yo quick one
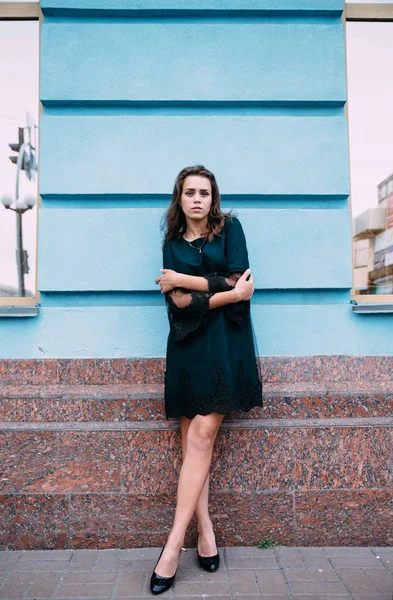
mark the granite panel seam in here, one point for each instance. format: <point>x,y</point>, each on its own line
<point>122,464</point>
<point>294,526</point>
<point>67,520</point>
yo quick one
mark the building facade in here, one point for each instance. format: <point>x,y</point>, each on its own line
<point>132,92</point>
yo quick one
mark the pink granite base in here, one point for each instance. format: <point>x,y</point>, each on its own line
<point>132,520</point>
<point>310,518</point>
<point>118,489</point>
<point>89,460</point>
<point>345,518</point>
<point>34,521</point>
<point>102,371</point>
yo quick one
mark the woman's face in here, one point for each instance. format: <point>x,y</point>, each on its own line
<point>196,197</point>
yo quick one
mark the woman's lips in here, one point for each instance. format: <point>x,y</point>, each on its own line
<point>196,208</point>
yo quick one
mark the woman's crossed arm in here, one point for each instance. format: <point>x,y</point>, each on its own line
<point>219,290</point>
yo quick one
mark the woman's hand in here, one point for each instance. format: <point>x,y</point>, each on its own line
<point>244,289</point>
<point>168,281</point>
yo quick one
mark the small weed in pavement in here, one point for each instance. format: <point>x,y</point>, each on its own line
<point>266,542</point>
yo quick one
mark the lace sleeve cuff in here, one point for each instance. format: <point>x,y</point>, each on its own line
<point>239,311</point>
<point>197,307</point>
<point>183,321</point>
<point>217,283</point>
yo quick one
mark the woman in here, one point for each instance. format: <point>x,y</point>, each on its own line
<point>211,365</point>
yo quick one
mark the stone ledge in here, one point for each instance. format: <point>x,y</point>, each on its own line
<point>145,402</point>
<point>89,461</point>
<point>173,424</point>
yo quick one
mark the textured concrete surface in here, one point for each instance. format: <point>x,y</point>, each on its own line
<point>314,573</point>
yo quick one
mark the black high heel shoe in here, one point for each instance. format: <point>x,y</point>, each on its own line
<point>159,584</point>
<point>209,563</point>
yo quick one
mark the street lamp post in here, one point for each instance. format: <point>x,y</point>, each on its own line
<point>21,254</point>
<point>24,161</point>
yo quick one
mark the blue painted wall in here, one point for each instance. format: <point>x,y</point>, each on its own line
<point>133,91</point>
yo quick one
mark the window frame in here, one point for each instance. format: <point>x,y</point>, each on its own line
<point>371,13</point>
<point>23,11</point>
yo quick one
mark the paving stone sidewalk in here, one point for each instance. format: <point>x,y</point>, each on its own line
<point>312,573</point>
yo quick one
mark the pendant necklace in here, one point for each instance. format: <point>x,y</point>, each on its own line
<point>199,249</point>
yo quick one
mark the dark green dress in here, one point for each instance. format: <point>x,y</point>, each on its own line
<point>211,362</point>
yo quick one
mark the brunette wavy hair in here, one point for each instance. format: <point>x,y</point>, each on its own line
<point>174,221</point>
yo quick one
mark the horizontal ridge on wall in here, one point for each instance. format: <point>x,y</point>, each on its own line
<point>287,249</point>
<point>155,298</point>
<point>232,62</point>
<point>180,7</point>
<point>228,201</point>
<point>258,155</point>
<point>286,108</point>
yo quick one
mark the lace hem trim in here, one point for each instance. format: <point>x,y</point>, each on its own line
<point>222,399</point>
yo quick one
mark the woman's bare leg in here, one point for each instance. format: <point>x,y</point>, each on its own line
<point>206,539</point>
<point>193,473</point>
